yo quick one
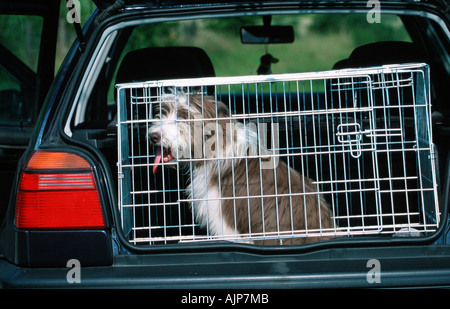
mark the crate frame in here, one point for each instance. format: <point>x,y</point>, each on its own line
<point>371,82</point>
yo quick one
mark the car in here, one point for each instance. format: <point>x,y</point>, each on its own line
<point>233,144</point>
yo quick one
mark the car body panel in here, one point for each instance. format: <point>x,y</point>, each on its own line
<point>415,266</point>
<point>38,259</point>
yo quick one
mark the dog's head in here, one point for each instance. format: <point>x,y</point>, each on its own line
<point>182,124</point>
<point>192,127</point>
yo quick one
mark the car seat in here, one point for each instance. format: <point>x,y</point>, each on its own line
<point>156,63</point>
<point>380,53</point>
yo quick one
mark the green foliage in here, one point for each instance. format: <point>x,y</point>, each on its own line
<point>320,40</point>
<point>359,29</point>
<point>21,35</point>
<point>231,26</point>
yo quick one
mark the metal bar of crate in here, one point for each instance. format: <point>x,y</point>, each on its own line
<point>344,129</point>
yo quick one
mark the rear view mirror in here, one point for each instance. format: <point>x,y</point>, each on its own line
<point>267,34</point>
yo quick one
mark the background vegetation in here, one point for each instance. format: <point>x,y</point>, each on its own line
<point>320,41</point>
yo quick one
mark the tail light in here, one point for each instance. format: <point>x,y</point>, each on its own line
<point>57,190</point>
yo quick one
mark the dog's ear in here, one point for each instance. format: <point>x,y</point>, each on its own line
<point>222,110</point>
<point>181,97</point>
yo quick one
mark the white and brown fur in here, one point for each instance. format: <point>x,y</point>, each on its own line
<point>223,190</point>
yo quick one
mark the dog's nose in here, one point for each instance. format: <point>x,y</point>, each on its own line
<point>155,137</point>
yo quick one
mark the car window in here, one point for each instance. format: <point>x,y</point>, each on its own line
<point>19,30</point>
<point>18,67</point>
<point>12,108</point>
<point>319,44</point>
<point>20,44</point>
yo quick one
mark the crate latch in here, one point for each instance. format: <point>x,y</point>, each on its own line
<point>350,134</point>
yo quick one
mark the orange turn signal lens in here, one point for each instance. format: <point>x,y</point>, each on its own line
<point>56,160</point>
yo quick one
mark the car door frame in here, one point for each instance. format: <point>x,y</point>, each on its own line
<point>15,138</point>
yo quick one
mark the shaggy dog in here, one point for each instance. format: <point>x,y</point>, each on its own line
<point>236,190</point>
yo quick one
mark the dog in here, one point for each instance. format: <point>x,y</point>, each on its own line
<point>235,190</point>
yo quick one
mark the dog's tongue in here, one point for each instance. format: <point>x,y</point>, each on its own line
<point>166,157</point>
<point>157,160</point>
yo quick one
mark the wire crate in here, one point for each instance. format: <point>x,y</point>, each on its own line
<point>359,139</point>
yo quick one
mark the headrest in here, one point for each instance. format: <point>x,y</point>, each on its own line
<point>380,53</point>
<point>156,63</point>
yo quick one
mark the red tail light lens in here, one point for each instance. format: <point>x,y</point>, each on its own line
<point>57,190</point>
